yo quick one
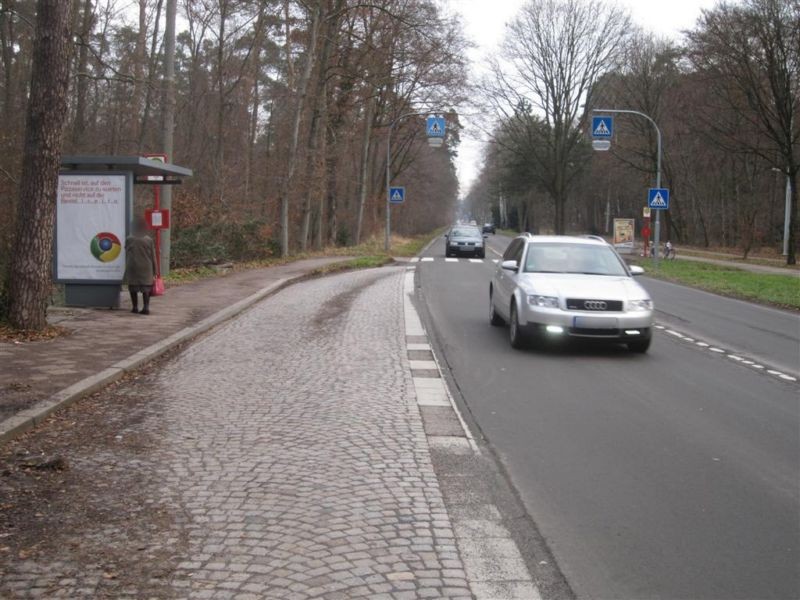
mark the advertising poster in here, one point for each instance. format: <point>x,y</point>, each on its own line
<point>624,235</point>
<point>91,218</point>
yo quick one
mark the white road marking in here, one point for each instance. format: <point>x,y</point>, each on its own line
<point>476,260</point>
<point>418,346</point>
<point>739,359</point>
<point>495,260</point>
<point>450,260</point>
<point>415,259</point>
<point>427,259</point>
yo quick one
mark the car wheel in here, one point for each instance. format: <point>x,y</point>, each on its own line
<point>482,254</point>
<point>640,346</point>
<point>495,319</point>
<point>515,335</point>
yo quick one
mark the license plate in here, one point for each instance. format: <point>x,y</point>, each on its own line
<point>595,322</point>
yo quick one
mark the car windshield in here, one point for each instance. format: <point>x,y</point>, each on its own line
<point>588,259</point>
<point>465,232</point>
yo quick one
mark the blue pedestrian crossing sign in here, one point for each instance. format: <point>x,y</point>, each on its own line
<point>658,198</point>
<point>397,195</point>
<point>602,127</point>
<point>435,127</point>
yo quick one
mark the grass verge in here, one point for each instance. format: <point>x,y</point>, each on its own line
<point>361,262</point>
<point>776,290</point>
<point>369,253</point>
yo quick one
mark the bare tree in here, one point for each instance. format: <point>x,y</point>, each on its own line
<point>30,276</point>
<point>750,54</point>
<point>553,53</point>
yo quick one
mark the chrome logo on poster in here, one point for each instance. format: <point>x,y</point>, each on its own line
<point>105,247</point>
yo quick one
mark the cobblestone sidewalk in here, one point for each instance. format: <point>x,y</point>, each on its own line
<point>100,338</point>
<point>284,453</point>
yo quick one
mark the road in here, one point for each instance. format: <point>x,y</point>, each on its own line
<point>667,475</point>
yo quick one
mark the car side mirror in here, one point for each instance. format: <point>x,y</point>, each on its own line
<point>510,265</point>
<point>636,270</point>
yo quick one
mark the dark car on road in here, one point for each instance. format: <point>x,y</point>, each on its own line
<point>464,239</point>
<point>488,228</point>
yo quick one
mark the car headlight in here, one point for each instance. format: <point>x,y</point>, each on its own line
<point>545,301</point>
<point>634,305</point>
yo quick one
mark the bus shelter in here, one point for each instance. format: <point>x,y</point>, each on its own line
<point>94,214</point>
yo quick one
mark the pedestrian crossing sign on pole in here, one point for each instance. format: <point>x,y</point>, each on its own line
<point>435,127</point>
<point>602,127</point>
<point>397,195</point>
<point>658,198</point>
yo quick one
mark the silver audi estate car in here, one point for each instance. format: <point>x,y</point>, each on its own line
<point>569,287</point>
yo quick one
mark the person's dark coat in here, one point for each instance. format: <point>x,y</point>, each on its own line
<point>140,260</point>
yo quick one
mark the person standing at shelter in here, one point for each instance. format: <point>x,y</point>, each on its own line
<point>140,266</point>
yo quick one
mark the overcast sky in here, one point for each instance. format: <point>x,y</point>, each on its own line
<point>485,20</point>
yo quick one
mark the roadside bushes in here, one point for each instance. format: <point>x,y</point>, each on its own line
<point>222,242</point>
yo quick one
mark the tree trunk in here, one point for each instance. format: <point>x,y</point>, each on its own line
<point>363,178</point>
<point>7,39</point>
<point>219,148</point>
<point>82,85</point>
<point>168,127</point>
<point>152,69</point>
<point>30,274</point>
<point>137,101</point>
<point>302,93</point>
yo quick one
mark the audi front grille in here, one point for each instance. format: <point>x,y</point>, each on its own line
<point>593,305</point>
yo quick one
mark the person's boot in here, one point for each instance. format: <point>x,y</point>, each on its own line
<point>146,309</point>
<point>134,302</point>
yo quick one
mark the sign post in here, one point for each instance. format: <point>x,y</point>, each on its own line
<point>658,164</point>
<point>435,128</point>
<point>162,158</point>
<point>646,230</point>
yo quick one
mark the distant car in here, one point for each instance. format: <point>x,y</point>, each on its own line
<point>488,228</point>
<point>464,239</point>
<point>569,287</point>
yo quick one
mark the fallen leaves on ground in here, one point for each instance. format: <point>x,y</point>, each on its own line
<point>19,336</point>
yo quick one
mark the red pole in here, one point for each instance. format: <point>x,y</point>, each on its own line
<point>157,203</point>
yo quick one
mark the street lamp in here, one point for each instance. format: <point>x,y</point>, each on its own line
<point>787,214</point>
<point>433,142</point>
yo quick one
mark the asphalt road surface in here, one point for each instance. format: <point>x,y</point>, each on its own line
<point>667,475</point>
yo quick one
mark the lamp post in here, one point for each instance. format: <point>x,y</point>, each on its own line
<point>787,212</point>
<point>657,232</point>
<point>435,142</point>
